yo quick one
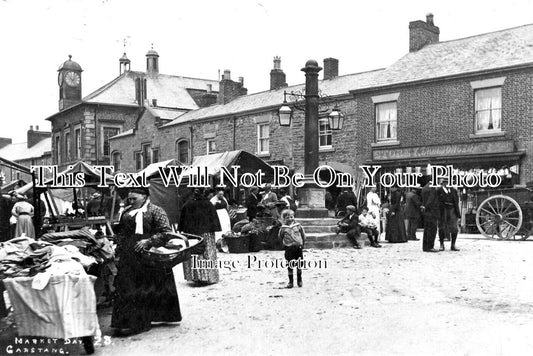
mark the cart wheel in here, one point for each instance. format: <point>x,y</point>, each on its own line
<point>88,344</point>
<point>499,217</point>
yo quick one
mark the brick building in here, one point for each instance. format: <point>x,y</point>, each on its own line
<point>82,127</point>
<point>465,102</point>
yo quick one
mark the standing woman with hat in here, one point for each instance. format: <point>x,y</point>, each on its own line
<point>142,294</point>
<point>23,211</point>
<point>199,217</point>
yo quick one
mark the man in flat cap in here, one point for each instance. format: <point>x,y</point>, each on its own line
<point>350,225</point>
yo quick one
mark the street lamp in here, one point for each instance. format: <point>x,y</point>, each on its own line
<point>335,117</point>
<point>311,196</point>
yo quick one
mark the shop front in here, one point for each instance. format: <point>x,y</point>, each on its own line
<point>469,165</point>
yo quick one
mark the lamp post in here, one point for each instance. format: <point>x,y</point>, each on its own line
<point>311,196</point>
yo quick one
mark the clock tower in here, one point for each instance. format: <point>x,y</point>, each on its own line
<point>69,80</point>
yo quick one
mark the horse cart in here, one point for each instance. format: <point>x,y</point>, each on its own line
<point>505,213</point>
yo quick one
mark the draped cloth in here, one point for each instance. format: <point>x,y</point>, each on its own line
<point>65,308</point>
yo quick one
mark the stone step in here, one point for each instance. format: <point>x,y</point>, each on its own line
<point>318,222</point>
<point>319,229</point>
<point>328,240</point>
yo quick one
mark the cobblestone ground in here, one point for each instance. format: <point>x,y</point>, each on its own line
<point>395,300</point>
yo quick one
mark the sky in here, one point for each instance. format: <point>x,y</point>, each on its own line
<point>200,38</point>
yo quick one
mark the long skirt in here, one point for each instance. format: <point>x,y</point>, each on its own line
<point>25,226</point>
<point>395,228</point>
<point>207,275</point>
<point>143,295</point>
<point>225,223</point>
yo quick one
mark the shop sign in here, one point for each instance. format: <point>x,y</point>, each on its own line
<point>477,148</point>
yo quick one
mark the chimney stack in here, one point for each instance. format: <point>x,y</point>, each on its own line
<point>34,136</point>
<point>422,33</point>
<point>228,89</point>
<point>277,77</point>
<point>331,68</point>
<point>152,62</point>
<point>4,141</point>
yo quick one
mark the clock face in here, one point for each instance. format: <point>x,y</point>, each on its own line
<point>72,79</point>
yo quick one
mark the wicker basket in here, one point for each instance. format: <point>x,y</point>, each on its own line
<point>169,260</point>
<point>238,244</point>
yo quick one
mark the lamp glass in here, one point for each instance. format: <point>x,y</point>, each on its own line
<point>336,119</point>
<point>285,115</point>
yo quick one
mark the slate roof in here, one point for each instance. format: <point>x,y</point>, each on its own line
<point>332,87</point>
<point>489,51</point>
<point>20,151</point>
<point>169,90</point>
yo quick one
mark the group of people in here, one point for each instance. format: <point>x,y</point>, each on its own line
<point>16,216</point>
<point>437,206</point>
<point>145,295</point>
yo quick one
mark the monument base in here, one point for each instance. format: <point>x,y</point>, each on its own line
<point>312,201</point>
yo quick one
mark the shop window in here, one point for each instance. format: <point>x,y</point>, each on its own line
<point>211,147</point>
<point>263,138</point>
<point>182,149</point>
<point>488,104</point>
<point>324,134</point>
<point>386,121</point>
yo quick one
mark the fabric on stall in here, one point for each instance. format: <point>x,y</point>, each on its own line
<point>65,308</point>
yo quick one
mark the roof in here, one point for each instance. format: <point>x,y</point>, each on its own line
<point>489,51</point>
<point>20,151</point>
<point>332,87</point>
<point>170,91</point>
<point>248,163</point>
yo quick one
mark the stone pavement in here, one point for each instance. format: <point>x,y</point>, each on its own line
<point>395,300</point>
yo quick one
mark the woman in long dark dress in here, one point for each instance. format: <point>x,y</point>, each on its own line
<point>142,294</point>
<point>199,217</point>
<point>395,225</point>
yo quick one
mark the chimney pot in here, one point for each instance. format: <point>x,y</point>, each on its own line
<point>31,127</point>
<point>429,19</point>
<point>277,62</point>
<point>277,76</point>
<point>241,80</point>
<point>227,75</point>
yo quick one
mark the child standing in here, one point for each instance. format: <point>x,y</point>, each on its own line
<point>293,236</point>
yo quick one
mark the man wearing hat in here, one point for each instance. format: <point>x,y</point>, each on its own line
<point>350,225</point>
<point>430,209</point>
<point>449,214</point>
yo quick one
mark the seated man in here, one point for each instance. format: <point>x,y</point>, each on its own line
<point>350,225</point>
<point>368,224</point>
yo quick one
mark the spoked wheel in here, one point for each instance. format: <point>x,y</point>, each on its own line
<point>499,217</point>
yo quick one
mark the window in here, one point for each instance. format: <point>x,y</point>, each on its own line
<point>182,148</point>
<point>77,142</point>
<point>263,138</point>
<point>146,155</point>
<point>67,147</point>
<point>488,110</point>
<point>116,161</point>
<point>386,119</point>
<point>108,132</point>
<point>57,141</point>
<point>324,134</point>
<point>155,155</point>
<point>138,161</point>
<point>211,146</point>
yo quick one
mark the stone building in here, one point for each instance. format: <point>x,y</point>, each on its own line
<point>35,151</point>
<point>83,125</point>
